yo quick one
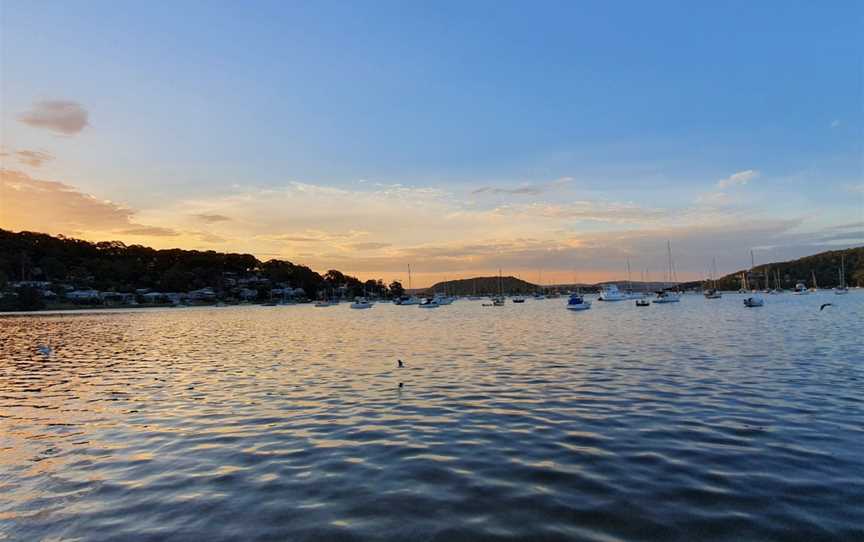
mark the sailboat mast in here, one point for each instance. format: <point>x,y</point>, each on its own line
<point>669,253</point>
<point>629,282</point>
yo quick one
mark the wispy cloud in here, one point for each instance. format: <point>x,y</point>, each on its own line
<point>738,179</point>
<point>150,231</point>
<point>59,116</point>
<point>33,158</point>
<point>524,190</point>
<point>33,204</point>
<point>211,218</point>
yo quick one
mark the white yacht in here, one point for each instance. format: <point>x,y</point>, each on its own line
<point>664,296</point>
<point>577,303</point>
<point>610,292</point>
<point>800,289</point>
<point>517,299</point>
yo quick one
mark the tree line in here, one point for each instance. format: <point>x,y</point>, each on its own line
<point>115,266</point>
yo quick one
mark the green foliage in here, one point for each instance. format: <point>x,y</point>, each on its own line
<point>396,289</point>
<point>112,265</point>
<point>825,266</point>
<point>485,286</point>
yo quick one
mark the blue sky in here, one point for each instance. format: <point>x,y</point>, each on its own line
<point>206,105</point>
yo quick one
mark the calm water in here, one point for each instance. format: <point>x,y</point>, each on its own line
<point>701,420</point>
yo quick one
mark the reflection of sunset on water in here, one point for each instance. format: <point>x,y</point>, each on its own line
<point>141,416</point>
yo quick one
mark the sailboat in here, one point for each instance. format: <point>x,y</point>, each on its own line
<point>814,287</point>
<point>664,296</point>
<point>841,286</point>
<point>755,300</point>
<point>497,301</point>
<point>408,299</point>
<point>712,292</point>
<point>539,293</point>
<point>778,287</point>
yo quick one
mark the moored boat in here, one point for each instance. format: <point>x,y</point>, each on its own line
<point>610,292</point>
<point>361,303</point>
<point>577,303</point>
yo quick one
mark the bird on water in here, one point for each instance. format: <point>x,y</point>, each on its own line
<point>400,364</point>
<point>825,305</point>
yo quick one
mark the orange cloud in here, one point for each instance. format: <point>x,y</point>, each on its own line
<point>54,207</point>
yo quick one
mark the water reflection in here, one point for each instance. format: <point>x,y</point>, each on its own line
<point>699,420</point>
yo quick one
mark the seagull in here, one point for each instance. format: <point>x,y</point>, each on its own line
<point>825,305</point>
<point>399,361</point>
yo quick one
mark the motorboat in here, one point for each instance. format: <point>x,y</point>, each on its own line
<point>324,303</point>
<point>667,297</point>
<point>801,289</point>
<point>361,303</point>
<point>643,303</point>
<point>578,303</point>
<point>517,299</point>
<point>610,292</point>
<point>407,300</point>
<point>429,303</point>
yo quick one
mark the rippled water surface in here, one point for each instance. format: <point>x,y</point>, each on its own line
<point>693,421</point>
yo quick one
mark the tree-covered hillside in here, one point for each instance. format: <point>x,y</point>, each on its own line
<point>825,266</point>
<point>114,266</point>
<point>484,286</point>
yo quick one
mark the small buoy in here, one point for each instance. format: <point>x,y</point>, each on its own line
<point>399,361</point>
<point>401,385</point>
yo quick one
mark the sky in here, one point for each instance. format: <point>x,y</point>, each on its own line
<point>557,141</point>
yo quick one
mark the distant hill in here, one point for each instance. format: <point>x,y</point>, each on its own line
<point>825,266</point>
<point>483,286</point>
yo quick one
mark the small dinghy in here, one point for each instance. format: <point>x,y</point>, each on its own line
<point>361,303</point>
<point>754,301</point>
